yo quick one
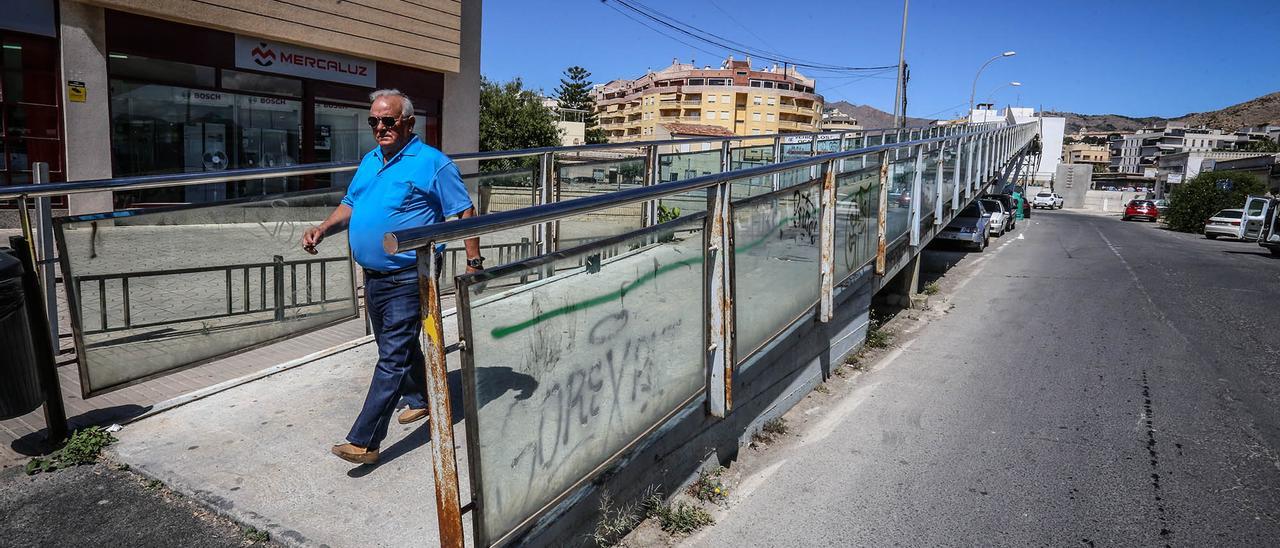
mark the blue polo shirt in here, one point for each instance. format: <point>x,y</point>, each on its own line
<point>416,187</point>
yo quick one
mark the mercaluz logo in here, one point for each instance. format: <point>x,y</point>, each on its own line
<point>262,55</point>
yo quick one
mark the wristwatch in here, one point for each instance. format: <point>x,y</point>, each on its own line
<point>477,263</point>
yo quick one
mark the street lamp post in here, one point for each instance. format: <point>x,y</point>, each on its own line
<point>973,92</point>
<point>990,96</point>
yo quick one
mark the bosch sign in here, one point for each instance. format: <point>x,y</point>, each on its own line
<point>258,54</point>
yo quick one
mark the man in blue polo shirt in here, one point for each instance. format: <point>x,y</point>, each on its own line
<point>403,183</point>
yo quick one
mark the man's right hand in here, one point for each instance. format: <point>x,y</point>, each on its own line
<point>312,238</point>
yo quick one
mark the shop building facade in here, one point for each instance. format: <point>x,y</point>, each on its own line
<point>158,87</point>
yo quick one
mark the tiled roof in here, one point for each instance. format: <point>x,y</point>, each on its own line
<point>697,129</point>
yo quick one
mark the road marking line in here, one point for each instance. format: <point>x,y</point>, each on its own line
<point>1155,311</point>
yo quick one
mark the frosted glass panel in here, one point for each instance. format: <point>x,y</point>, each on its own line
<point>775,263</point>
<point>573,357</point>
<point>857,205</point>
<point>156,290</point>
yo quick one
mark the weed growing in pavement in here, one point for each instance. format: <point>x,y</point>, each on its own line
<point>822,388</point>
<point>683,518</point>
<point>931,288</point>
<point>83,447</point>
<point>255,536</point>
<point>877,337</point>
<point>708,487</point>
<point>776,427</point>
<point>615,523</point>
<point>153,485</point>
<point>770,432</point>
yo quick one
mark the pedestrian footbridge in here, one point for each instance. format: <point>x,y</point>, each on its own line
<point>646,306</point>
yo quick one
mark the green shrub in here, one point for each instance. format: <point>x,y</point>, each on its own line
<point>1194,201</point>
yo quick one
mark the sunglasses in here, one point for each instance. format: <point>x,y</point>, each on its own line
<point>386,121</point>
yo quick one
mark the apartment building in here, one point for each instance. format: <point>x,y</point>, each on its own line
<point>835,120</point>
<point>1084,153</point>
<point>1139,152</point>
<point>113,88</point>
<point>735,96</point>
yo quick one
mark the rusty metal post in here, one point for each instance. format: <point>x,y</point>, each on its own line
<point>916,183</point>
<point>882,207</point>
<point>827,251</point>
<point>444,462</point>
<point>718,266</point>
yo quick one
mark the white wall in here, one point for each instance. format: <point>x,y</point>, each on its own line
<point>1051,134</point>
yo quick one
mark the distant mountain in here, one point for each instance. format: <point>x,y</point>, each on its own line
<point>1255,112</point>
<point>871,117</point>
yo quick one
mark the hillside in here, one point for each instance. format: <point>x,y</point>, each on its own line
<point>1255,112</point>
<point>871,117</point>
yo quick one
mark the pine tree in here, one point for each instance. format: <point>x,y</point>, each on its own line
<point>574,93</point>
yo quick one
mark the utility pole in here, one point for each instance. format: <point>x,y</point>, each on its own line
<point>900,94</point>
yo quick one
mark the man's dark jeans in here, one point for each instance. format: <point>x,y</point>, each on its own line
<point>393,307</point>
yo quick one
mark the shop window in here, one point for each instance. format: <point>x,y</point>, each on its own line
<point>168,129</point>
<point>261,83</point>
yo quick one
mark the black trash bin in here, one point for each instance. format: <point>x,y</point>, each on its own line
<point>20,391</point>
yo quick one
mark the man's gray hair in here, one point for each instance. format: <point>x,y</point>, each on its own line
<point>406,105</point>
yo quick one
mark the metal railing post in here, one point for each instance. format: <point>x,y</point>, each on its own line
<point>277,287</point>
<point>651,170</point>
<point>937,186</point>
<point>544,233</point>
<point>777,158</point>
<point>955,180</point>
<point>444,461</point>
<point>44,255</point>
<point>719,280</point>
<point>916,183</point>
<point>882,211</point>
<point>827,251</point>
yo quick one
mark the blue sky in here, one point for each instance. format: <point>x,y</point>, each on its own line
<point>1124,57</point>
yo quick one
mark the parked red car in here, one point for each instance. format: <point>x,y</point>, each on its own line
<point>1140,209</point>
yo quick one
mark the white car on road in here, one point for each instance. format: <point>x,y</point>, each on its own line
<point>1050,200</point>
<point>1224,223</point>
<point>998,216</point>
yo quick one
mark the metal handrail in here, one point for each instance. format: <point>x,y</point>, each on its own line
<point>186,179</point>
<point>414,238</point>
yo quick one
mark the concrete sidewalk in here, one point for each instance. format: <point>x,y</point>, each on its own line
<point>259,454</point>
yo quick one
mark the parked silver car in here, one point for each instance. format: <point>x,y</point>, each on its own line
<point>969,226</point>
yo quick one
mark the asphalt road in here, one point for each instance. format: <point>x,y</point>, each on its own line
<point>1097,383</point>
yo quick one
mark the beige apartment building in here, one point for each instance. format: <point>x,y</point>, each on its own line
<point>115,88</point>
<point>1083,153</point>
<point>734,97</point>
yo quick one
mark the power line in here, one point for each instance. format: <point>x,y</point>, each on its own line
<point>725,43</point>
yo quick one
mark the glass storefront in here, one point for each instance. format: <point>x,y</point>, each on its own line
<point>190,110</point>
<point>169,129</point>
<point>29,117</point>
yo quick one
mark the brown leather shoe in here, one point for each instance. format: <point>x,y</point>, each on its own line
<point>354,453</point>
<point>412,415</point>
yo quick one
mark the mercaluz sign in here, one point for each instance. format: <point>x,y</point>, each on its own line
<point>280,58</point>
